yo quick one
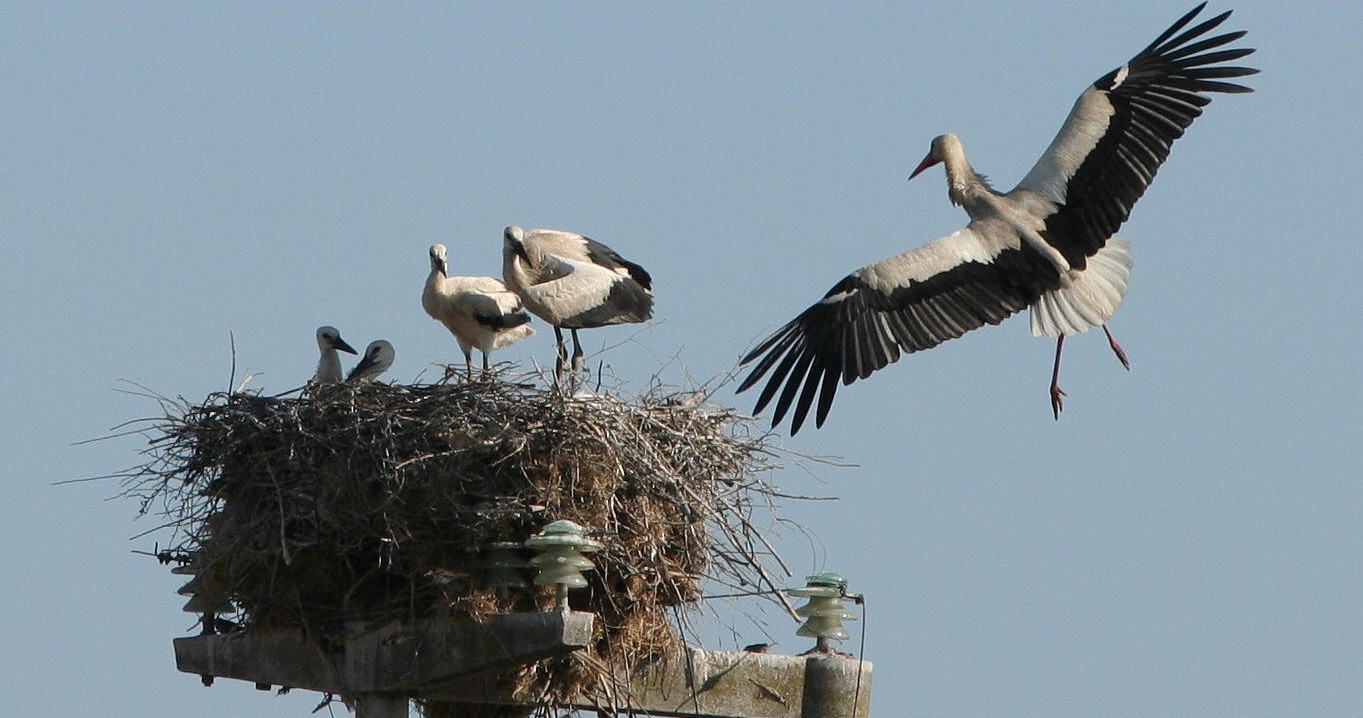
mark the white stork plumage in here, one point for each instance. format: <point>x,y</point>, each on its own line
<point>1048,244</point>
<point>329,365</point>
<point>378,357</point>
<point>479,311</point>
<point>574,282</point>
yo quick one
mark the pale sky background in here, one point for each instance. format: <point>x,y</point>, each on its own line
<point>1186,540</point>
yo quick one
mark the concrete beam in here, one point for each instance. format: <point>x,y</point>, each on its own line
<point>713,684</point>
<point>461,663</point>
<point>393,657</point>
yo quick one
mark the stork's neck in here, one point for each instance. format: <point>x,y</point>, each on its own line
<point>434,290</point>
<point>435,278</point>
<point>965,187</point>
<point>515,273</point>
<point>329,366</point>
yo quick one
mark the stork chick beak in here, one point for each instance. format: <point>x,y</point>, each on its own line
<point>926,163</point>
<point>340,344</point>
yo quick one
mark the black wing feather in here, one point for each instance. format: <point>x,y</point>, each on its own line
<point>610,259</point>
<point>1164,89</point>
<point>858,329</point>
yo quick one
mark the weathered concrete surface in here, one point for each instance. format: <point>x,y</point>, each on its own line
<point>389,658</point>
<point>717,684</point>
<point>461,662</point>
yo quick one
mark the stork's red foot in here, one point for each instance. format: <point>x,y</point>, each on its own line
<point>1117,349</point>
<point>1056,392</point>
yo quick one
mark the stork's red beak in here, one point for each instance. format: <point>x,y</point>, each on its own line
<point>926,163</point>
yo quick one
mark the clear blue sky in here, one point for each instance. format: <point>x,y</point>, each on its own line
<point>1185,541</point>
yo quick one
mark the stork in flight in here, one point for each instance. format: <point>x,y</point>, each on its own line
<point>329,365</point>
<point>479,311</point>
<point>378,357</point>
<point>1048,244</point>
<point>574,282</point>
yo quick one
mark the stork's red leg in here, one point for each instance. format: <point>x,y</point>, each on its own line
<point>1117,349</point>
<point>1056,393</point>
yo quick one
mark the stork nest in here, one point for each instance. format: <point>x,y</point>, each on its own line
<point>375,502</point>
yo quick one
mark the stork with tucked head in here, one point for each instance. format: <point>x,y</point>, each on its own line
<point>1048,245</point>
<point>378,357</point>
<point>329,365</point>
<point>574,282</point>
<point>479,311</point>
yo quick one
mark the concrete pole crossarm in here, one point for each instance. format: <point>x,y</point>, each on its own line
<point>391,658</point>
<point>718,684</point>
<point>463,662</point>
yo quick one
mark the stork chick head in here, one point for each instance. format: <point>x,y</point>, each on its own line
<point>513,239</point>
<point>378,357</point>
<point>330,338</point>
<point>439,259</point>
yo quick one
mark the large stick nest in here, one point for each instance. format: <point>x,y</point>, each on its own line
<point>375,502</point>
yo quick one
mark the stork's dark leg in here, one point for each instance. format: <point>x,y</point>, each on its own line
<point>577,354</point>
<point>1056,393</point>
<point>468,364</point>
<point>1117,349</point>
<point>486,374</point>
<point>562,356</point>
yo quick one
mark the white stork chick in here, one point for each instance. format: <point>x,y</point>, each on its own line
<point>378,357</point>
<point>479,311</point>
<point>329,365</point>
<point>1048,244</point>
<point>574,282</point>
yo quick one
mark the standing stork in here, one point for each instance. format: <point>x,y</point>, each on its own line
<point>1048,244</point>
<point>574,282</point>
<point>329,365</point>
<point>378,357</point>
<point>479,311</point>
